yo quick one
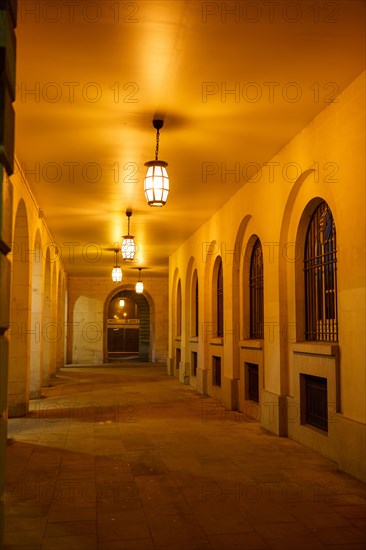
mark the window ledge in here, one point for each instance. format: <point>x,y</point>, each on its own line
<point>193,339</point>
<point>316,348</point>
<point>314,429</point>
<point>251,344</point>
<point>216,341</point>
<point>177,338</point>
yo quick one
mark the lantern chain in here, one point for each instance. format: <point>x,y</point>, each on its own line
<point>157,143</point>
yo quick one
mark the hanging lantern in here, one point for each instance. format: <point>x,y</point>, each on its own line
<point>128,247</point>
<point>139,288</point>
<point>116,271</point>
<point>156,184</point>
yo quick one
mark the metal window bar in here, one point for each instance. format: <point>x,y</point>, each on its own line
<point>177,357</point>
<point>256,292</point>
<point>253,382</point>
<point>321,277</point>
<point>179,310</point>
<point>220,301</point>
<point>216,371</point>
<point>196,318</point>
<point>194,360</point>
<point>316,402</point>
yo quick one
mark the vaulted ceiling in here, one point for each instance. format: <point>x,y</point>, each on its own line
<point>233,81</point>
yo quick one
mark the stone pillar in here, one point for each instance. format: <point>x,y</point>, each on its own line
<point>8,11</point>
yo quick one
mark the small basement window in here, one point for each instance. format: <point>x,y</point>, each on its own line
<point>315,401</point>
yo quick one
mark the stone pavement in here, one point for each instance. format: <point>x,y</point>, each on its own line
<point>127,458</point>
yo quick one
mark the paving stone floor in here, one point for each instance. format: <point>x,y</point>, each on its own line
<point>127,458</point>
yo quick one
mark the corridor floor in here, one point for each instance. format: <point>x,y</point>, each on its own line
<point>127,458</point>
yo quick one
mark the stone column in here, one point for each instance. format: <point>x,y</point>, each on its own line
<point>8,12</point>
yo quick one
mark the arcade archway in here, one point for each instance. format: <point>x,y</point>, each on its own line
<point>127,327</point>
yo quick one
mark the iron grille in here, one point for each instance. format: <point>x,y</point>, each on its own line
<point>177,357</point>
<point>216,371</point>
<point>220,301</point>
<point>320,265</point>
<point>253,382</point>
<point>194,361</point>
<point>179,309</point>
<point>316,402</point>
<point>256,292</point>
<point>196,319</point>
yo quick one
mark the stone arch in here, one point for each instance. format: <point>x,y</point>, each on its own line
<point>194,304</point>
<point>187,297</point>
<point>179,345</point>
<point>217,318</point>
<point>46,321</point>
<point>19,337</point>
<point>178,311</point>
<point>173,313</point>
<point>211,253</point>
<point>146,312</point>
<point>35,373</point>
<point>290,273</point>
<point>60,319</point>
<point>55,331</point>
<point>237,292</point>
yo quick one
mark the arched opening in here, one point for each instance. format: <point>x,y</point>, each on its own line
<point>60,324</point>
<point>35,377</point>
<point>316,279</point>
<point>321,320</point>
<point>18,385</point>
<point>178,311</point>
<point>54,331</point>
<point>127,327</point>
<point>218,298</point>
<point>252,347</point>
<point>46,322</point>
<point>194,299</point>
<point>253,290</point>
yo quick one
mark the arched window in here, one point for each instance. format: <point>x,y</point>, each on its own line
<point>320,263</point>
<point>194,302</point>
<point>256,292</point>
<point>179,310</point>
<point>220,299</point>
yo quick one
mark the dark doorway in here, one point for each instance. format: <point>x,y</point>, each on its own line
<point>123,339</point>
<point>128,327</point>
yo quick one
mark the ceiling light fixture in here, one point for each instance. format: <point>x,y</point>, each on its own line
<point>156,184</point>
<point>139,288</point>
<point>128,243</point>
<point>116,271</point>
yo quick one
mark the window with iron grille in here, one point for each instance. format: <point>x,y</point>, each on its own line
<point>194,362</point>
<point>316,402</point>
<point>320,263</point>
<point>216,371</point>
<point>253,382</point>
<point>179,309</point>
<point>177,357</point>
<point>256,292</point>
<point>220,300</point>
<point>196,308</point>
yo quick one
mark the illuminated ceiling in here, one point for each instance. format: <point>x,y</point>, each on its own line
<point>232,87</point>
